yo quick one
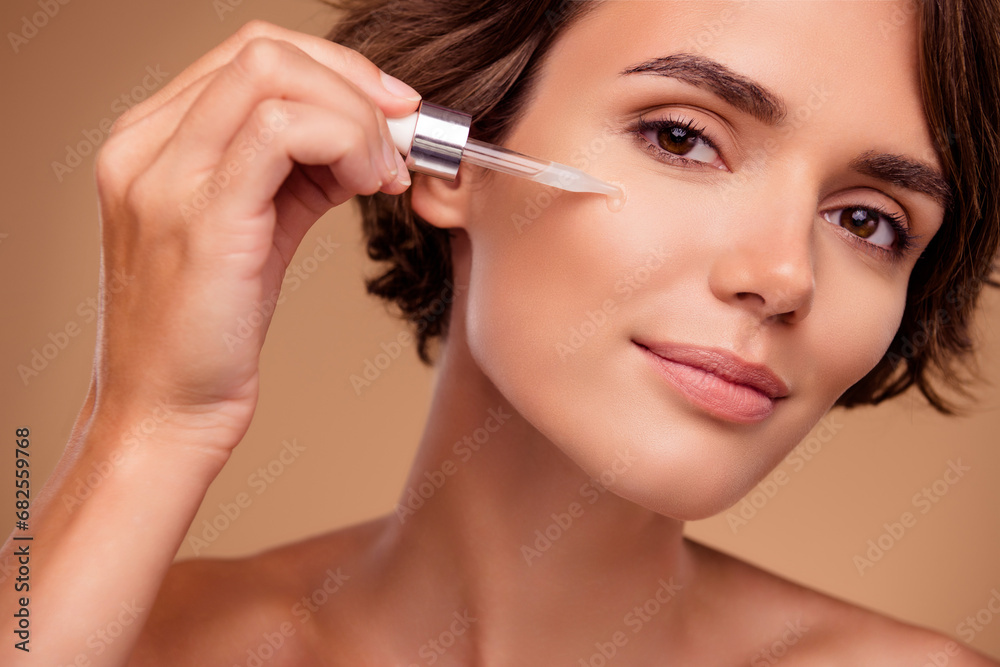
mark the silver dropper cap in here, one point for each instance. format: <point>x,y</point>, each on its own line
<point>439,138</point>
<point>435,140</point>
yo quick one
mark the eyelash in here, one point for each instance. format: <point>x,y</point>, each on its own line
<point>904,240</point>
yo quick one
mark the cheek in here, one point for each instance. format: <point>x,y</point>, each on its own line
<point>855,324</point>
<point>555,273</point>
<point>542,259</point>
<point>559,284</point>
<point>547,320</point>
<point>550,312</point>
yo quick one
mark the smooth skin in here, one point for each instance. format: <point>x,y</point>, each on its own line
<point>752,266</point>
<point>298,126</point>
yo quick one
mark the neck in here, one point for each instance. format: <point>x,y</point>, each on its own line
<point>495,523</point>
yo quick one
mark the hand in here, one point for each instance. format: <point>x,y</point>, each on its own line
<point>206,190</point>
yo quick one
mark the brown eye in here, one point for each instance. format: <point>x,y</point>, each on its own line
<point>680,142</point>
<point>677,140</point>
<point>871,224</point>
<point>859,221</point>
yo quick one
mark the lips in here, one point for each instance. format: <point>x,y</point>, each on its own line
<point>722,364</point>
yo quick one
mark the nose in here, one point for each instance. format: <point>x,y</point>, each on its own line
<point>767,265</point>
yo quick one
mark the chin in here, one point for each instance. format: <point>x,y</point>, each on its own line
<point>669,459</point>
<point>606,400</point>
<point>688,490</point>
<point>678,474</point>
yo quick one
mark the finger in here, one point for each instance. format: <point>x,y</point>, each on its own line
<point>278,134</point>
<point>265,69</point>
<point>334,56</point>
<point>305,195</point>
<point>141,140</point>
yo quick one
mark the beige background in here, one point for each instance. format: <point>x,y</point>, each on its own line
<point>64,82</point>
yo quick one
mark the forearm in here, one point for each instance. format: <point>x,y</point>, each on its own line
<point>104,531</point>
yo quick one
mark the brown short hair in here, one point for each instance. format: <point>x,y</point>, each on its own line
<point>486,57</point>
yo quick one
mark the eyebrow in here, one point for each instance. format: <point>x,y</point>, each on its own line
<point>767,107</point>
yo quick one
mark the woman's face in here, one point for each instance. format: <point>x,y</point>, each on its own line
<point>771,243</point>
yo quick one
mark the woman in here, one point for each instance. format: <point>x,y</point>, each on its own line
<point>633,368</point>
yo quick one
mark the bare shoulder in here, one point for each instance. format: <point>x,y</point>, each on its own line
<point>216,611</point>
<point>778,619</point>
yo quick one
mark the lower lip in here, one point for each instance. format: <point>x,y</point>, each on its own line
<point>721,398</point>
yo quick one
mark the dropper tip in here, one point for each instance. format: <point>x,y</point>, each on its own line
<point>616,198</point>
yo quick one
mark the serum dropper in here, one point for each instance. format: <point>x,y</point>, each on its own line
<point>435,140</point>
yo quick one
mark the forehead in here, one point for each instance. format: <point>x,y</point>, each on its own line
<point>860,56</point>
<point>820,38</point>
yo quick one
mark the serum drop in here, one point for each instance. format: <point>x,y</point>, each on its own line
<point>617,202</point>
<point>435,140</point>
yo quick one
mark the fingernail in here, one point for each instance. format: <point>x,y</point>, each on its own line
<point>404,173</point>
<point>389,158</point>
<point>398,88</point>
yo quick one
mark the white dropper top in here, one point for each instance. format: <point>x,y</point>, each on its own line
<point>486,155</point>
<point>402,131</point>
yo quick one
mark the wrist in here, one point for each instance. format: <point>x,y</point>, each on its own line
<point>156,430</point>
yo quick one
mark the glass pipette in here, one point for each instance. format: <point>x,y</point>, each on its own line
<point>435,140</point>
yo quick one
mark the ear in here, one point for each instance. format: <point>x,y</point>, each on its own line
<point>442,203</point>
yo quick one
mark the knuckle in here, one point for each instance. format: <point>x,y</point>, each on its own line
<point>351,60</point>
<point>121,122</point>
<point>110,167</point>
<point>253,29</point>
<point>341,57</point>
<point>142,197</point>
<point>354,66</point>
<point>361,105</point>
<point>271,113</point>
<point>354,137</point>
<point>134,199</point>
<point>259,58</point>
<point>375,115</point>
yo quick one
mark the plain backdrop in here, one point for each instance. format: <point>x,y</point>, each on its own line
<point>857,472</point>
